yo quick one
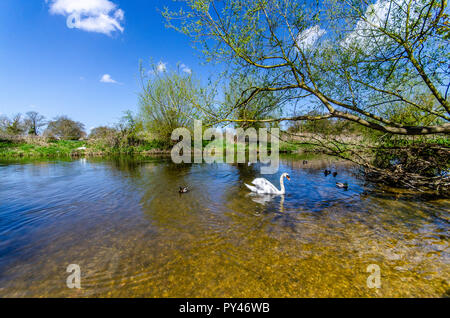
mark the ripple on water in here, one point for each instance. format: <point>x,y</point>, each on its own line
<point>124,222</point>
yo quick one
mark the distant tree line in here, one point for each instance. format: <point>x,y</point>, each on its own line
<point>33,124</point>
<point>128,133</point>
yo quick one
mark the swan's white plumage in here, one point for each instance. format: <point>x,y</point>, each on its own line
<point>262,185</point>
<point>252,188</point>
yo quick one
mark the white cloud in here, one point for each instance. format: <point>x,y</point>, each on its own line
<point>383,13</point>
<point>185,69</point>
<point>101,16</point>
<point>308,38</point>
<point>376,14</point>
<point>161,67</point>
<point>106,78</point>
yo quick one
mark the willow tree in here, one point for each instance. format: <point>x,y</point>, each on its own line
<point>265,105</point>
<point>353,60</point>
<point>167,101</point>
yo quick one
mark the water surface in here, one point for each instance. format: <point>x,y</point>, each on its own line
<point>133,235</point>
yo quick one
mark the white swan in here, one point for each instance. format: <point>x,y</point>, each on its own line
<point>264,186</point>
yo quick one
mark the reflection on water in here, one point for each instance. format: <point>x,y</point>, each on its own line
<point>124,222</point>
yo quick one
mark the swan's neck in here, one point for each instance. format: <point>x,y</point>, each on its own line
<point>282,191</point>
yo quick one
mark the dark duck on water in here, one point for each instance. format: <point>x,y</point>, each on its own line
<point>183,190</point>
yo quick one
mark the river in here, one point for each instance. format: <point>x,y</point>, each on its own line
<point>123,222</point>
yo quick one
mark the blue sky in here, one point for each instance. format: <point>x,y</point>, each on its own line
<point>55,67</point>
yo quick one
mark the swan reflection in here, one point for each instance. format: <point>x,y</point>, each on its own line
<point>263,199</point>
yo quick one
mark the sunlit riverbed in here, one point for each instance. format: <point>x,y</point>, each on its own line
<point>133,235</point>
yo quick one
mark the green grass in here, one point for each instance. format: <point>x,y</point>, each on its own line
<point>50,149</point>
<point>67,148</point>
<point>292,147</point>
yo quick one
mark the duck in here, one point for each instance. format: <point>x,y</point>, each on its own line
<point>326,172</point>
<point>342,185</point>
<point>335,174</point>
<point>183,190</point>
<point>262,185</point>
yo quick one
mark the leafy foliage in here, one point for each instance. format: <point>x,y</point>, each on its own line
<point>167,101</point>
<point>13,126</point>
<point>347,59</point>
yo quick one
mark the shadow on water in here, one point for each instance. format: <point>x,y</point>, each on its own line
<point>133,234</point>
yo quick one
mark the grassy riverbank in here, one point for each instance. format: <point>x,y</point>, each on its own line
<point>10,149</point>
<point>43,148</point>
<point>61,148</point>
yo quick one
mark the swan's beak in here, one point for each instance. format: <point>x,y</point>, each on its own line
<point>289,178</point>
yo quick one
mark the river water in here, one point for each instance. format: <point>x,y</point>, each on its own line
<point>132,234</point>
